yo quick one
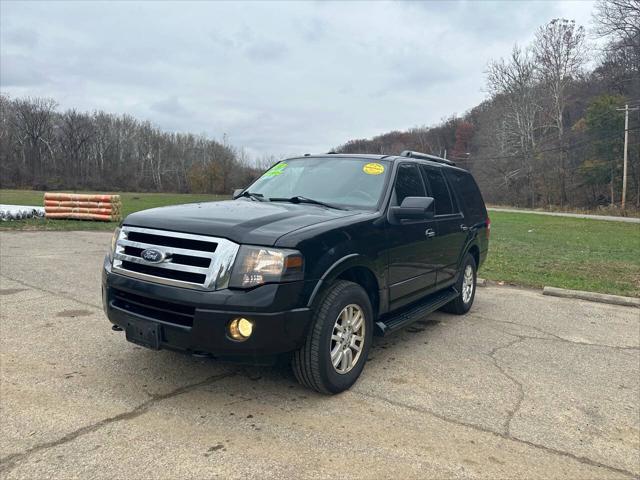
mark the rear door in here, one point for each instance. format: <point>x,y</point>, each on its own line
<point>470,199</point>
<point>412,261</point>
<point>451,230</point>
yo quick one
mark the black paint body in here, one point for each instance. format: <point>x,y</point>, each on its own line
<point>394,260</point>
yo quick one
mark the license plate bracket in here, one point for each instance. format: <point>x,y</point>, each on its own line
<point>143,333</point>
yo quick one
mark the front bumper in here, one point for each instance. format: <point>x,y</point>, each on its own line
<point>196,321</point>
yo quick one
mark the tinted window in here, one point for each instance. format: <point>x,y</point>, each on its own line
<point>469,193</point>
<point>408,182</point>
<point>438,189</point>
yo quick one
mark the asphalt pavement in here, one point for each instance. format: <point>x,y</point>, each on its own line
<point>524,386</point>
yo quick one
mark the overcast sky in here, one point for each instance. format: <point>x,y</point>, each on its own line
<point>276,77</point>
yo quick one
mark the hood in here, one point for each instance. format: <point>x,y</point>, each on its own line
<point>241,221</point>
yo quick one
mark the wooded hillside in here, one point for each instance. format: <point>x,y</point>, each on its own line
<point>551,132</point>
<point>42,148</point>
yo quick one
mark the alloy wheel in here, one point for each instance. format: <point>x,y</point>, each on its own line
<point>347,338</point>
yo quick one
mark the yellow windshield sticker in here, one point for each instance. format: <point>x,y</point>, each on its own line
<point>275,170</point>
<point>373,169</point>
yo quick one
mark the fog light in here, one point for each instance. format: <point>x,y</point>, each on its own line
<point>240,329</point>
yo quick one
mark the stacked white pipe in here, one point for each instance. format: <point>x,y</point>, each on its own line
<point>19,212</point>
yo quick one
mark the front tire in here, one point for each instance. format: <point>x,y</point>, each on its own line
<point>466,285</point>
<point>337,345</point>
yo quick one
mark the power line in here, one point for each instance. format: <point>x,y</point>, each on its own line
<point>575,146</point>
<point>549,136</point>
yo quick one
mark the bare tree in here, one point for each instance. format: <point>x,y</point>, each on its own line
<point>514,80</point>
<point>619,22</point>
<point>104,140</point>
<point>76,132</point>
<point>9,169</point>
<point>421,136</point>
<point>559,49</point>
<point>33,120</point>
<point>619,19</point>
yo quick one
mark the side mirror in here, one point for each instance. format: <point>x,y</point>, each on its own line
<point>414,208</point>
<point>237,192</point>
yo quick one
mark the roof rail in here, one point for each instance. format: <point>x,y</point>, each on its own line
<point>425,156</point>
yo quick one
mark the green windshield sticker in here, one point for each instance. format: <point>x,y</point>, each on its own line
<point>275,170</point>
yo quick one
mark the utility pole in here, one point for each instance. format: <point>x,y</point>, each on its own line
<point>626,153</point>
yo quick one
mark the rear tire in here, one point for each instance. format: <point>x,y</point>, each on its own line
<point>466,285</point>
<point>337,345</point>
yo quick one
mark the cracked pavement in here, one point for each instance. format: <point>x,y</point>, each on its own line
<point>524,386</point>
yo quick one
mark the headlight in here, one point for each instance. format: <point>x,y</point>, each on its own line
<point>114,241</point>
<point>258,265</point>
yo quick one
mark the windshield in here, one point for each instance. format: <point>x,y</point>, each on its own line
<point>350,182</point>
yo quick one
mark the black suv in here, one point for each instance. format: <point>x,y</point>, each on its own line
<point>311,260</point>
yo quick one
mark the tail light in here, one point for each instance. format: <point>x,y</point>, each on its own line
<point>488,225</point>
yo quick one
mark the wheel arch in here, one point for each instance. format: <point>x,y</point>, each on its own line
<point>364,277</point>
<point>472,249</point>
<point>353,268</point>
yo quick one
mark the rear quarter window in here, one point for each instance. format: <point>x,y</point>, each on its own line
<point>468,193</point>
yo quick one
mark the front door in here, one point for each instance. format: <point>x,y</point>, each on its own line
<point>412,263</point>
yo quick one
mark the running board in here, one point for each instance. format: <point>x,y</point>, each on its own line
<point>415,312</point>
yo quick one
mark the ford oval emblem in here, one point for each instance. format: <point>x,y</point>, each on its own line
<point>152,255</point>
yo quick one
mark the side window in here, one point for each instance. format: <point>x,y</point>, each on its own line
<point>438,189</point>
<point>469,194</point>
<point>408,183</point>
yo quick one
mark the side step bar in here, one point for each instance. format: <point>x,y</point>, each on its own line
<point>417,311</point>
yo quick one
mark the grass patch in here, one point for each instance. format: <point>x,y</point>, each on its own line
<point>580,254</point>
<point>131,202</point>
<point>525,249</point>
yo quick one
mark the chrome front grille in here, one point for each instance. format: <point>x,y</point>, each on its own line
<point>186,260</point>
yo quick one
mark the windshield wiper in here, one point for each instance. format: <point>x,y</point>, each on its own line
<point>253,196</point>
<point>300,199</point>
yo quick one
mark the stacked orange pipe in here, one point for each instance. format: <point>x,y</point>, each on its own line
<point>75,206</point>
<point>58,203</point>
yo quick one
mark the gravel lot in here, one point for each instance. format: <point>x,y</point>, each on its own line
<point>525,386</point>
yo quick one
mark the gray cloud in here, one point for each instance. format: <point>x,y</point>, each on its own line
<point>312,30</point>
<point>22,36</point>
<point>492,20</point>
<point>20,71</point>
<point>170,106</point>
<point>276,77</point>
<point>266,51</point>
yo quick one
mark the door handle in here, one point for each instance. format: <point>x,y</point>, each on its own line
<point>463,227</point>
<point>430,232</point>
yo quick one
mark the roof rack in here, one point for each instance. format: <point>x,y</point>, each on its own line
<point>425,156</point>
